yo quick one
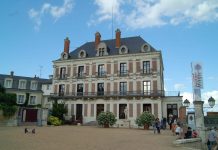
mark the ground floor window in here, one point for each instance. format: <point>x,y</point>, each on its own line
<point>147,107</point>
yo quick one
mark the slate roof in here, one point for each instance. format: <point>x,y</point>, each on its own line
<point>133,44</point>
<point>16,79</point>
<point>42,80</point>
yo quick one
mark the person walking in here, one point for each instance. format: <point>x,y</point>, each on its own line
<point>157,124</point>
<point>211,139</point>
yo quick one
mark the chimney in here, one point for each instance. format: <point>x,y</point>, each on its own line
<point>118,34</point>
<point>12,73</point>
<point>66,45</point>
<point>97,39</point>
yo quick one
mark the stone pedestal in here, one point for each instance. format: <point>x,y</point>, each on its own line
<point>199,120</point>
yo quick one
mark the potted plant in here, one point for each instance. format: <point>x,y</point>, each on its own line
<point>145,119</point>
<point>106,119</point>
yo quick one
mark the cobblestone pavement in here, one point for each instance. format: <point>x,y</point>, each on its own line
<point>84,138</point>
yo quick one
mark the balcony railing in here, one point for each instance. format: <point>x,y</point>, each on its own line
<point>155,93</point>
<point>62,76</point>
<point>101,74</point>
<point>123,73</point>
<point>80,75</point>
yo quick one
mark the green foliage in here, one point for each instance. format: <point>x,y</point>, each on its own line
<point>8,110</point>
<point>58,110</point>
<point>106,118</point>
<point>26,100</point>
<point>54,121</point>
<point>7,103</point>
<point>8,98</point>
<point>145,118</point>
<point>2,89</point>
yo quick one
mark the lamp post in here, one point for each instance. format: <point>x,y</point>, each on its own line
<point>199,115</point>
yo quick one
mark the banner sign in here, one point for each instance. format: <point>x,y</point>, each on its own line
<point>197,79</point>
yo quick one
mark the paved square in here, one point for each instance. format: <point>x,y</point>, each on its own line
<point>84,138</point>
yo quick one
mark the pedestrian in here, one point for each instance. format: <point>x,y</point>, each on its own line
<point>157,124</point>
<point>154,127</point>
<point>178,130</point>
<point>211,139</point>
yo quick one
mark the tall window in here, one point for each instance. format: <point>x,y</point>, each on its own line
<point>123,88</point>
<point>100,88</point>
<point>63,73</point>
<point>22,84</point>
<point>147,87</point>
<point>8,83</point>
<point>123,69</point>
<point>80,89</point>
<point>33,85</point>
<point>32,100</point>
<point>101,70</point>
<point>20,99</point>
<point>146,67</point>
<point>81,71</point>
<point>61,89</point>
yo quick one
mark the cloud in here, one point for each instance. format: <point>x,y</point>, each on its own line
<point>47,9</point>
<point>150,13</point>
<point>204,96</point>
<point>179,86</point>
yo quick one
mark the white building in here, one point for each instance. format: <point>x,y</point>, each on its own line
<point>109,75</point>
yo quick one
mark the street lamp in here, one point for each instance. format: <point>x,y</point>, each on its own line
<point>211,102</point>
<point>186,103</point>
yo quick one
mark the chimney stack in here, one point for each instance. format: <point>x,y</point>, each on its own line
<point>97,39</point>
<point>66,45</point>
<point>118,34</point>
<point>12,73</point>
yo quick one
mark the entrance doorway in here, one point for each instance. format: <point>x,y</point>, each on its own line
<point>79,112</point>
<point>31,115</point>
<point>100,108</point>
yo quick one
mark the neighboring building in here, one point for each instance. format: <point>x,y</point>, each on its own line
<point>111,75</point>
<point>27,88</point>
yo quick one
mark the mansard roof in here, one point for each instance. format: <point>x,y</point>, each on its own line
<point>133,44</point>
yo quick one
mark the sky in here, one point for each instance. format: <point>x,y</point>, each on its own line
<point>32,35</point>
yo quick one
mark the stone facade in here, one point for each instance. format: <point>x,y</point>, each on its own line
<point>110,75</point>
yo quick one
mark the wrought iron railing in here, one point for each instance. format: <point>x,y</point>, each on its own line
<point>155,93</point>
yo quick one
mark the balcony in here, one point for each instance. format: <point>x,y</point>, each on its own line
<point>123,73</point>
<point>62,76</point>
<point>146,72</point>
<point>101,74</point>
<point>112,94</point>
<point>80,75</point>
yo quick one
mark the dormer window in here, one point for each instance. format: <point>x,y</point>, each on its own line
<point>64,55</point>
<point>123,49</point>
<point>82,54</point>
<point>8,83</point>
<point>22,84</point>
<point>102,50</point>
<point>33,85</point>
<point>145,48</point>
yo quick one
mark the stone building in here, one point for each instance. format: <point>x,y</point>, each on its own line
<point>33,90</point>
<point>118,75</point>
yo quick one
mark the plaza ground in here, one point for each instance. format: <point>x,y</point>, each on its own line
<point>85,138</point>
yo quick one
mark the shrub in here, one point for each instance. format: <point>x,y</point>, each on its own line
<point>58,110</point>
<point>106,118</point>
<point>145,118</point>
<point>54,121</point>
<point>8,110</point>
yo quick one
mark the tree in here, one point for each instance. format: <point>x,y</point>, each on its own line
<point>58,110</point>
<point>7,102</point>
